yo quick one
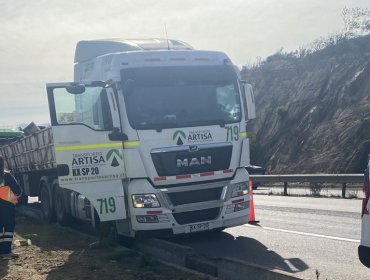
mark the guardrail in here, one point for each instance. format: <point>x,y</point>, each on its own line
<point>343,179</point>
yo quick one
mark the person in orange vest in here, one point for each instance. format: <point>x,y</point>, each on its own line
<point>9,193</point>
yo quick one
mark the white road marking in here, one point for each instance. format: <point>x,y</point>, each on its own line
<point>305,233</point>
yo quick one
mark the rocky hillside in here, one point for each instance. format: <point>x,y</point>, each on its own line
<point>313,111</point>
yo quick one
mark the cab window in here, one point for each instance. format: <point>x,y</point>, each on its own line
<point>90,108</point>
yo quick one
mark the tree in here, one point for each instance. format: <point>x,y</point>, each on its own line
<point>356,22</point>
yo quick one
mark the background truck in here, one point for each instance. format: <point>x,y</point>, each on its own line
<point>159,147</point>
<point>8,134</point>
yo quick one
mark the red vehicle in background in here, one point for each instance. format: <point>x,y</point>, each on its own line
<point>364,248</point>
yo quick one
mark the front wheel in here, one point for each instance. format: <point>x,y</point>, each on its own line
<point>126,241</point>
<point>108,232</point>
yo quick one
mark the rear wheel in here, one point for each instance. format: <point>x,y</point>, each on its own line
<point>63,218</point>
<point>48,214</point>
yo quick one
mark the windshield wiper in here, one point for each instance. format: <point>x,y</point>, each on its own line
<point>219,122</point>
<point>158,126</point>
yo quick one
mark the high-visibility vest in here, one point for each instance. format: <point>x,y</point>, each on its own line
<point>7,194</point>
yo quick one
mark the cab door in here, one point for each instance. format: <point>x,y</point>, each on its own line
<point>88,144</point>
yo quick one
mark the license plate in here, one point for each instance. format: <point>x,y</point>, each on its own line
<point>198,227</point>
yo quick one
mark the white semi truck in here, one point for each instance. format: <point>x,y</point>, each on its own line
<point>151,135</point>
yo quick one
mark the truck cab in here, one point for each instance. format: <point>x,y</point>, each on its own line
<point>161,144</point>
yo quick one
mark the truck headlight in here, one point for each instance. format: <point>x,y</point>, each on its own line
<point>240,189</point>
<point>145,201</point>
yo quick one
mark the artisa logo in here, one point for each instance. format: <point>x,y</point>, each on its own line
<point>114,154</point>
<point>194,136</point>
<point>179,135</point>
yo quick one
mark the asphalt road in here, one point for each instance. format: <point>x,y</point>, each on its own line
<point>295,234</point>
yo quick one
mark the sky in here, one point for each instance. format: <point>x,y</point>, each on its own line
<point>38,37</point>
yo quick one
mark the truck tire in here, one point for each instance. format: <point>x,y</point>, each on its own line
<point>63,218</point>
<point>123,240</point>
<point>48,214</point>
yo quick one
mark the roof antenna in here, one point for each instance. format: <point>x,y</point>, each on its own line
<point>168,42</point>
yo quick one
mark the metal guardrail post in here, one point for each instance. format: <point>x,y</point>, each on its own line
<point>344,186</point>
<point>285,188</point>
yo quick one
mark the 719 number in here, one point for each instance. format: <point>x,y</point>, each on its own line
<point>232,133</point>
<point>107,205</point>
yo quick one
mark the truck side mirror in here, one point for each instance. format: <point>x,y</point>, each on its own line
<point>75,88</point>
<point>117,135</point>
<point>249,98</point>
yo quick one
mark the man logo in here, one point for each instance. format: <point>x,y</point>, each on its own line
<point>194,161</point>
<point>179,134</point>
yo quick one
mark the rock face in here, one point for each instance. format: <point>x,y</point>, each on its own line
<point>313,112</point>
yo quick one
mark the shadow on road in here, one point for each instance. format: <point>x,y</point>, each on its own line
<point>223,244</point>
<point>216,244</point>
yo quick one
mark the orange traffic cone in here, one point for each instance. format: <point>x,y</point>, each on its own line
<point>252,217</point>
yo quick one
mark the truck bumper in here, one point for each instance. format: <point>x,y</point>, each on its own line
<point>218,207</point>
<point>171,226</point>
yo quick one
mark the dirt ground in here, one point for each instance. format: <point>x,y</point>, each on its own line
<point>59,253</point>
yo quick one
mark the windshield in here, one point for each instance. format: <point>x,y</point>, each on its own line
<point>167,97</point>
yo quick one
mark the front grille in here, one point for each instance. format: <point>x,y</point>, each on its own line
<point>179,198</point>
<point>197,216</point>
<point>181,160</point>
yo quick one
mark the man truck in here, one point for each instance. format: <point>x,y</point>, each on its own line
<point>151,135</point>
